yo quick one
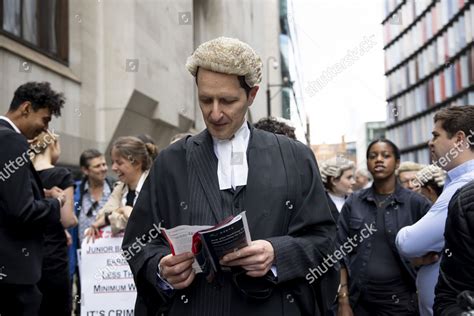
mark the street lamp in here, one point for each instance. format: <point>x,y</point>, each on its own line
<point>287,83</point>
<point>275,66</point>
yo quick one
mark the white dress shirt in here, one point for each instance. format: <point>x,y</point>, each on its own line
<point>232,167</point>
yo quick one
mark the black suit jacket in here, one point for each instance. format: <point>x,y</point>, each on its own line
<point>299,225</point>
<point>24,212</point>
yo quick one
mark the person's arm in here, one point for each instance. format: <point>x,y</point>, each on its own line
<point>19,206</point>
<point>113,203</point>
<point>426,235</point>
<point>311,230</point>
<point>344,307</point>
<point>455,272</point>
<point>92,233</point>
<point>343,242</point>
<point>118,219</point>
<point>68,218</point>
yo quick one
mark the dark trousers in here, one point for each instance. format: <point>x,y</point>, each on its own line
<point>19,300</point>
<point>56,292</point>
<point>386,303</point>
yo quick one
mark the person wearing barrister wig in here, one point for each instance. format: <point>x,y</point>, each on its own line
<point>452,150</point>
<point>337,175</point>
<point>431,181</point>
<point>131,161</point>
<point>226,169</point>
<point>375,280</point>
<point>26,208</point>
<point>406,174</point>
<point>54,283</point>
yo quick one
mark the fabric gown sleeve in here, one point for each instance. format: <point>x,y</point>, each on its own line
<point>143,245</point>
<point>311,229</point>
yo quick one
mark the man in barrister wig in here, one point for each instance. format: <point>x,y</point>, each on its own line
<point>228,168</point>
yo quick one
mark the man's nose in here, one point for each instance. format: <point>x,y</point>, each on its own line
<point>216,113</point>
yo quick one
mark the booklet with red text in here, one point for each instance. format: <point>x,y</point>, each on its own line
<point>209,243</point>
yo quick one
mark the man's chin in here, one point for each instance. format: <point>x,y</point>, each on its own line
<point>219,135</point>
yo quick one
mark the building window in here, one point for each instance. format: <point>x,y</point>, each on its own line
<point>39,24</point>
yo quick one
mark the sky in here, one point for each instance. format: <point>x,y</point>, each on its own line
<point>328,31</point>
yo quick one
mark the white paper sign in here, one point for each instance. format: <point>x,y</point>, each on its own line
<point>107,284</point>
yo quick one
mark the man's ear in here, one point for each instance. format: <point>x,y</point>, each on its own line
<point>85,171</point>
<point>25,108</point>
<point>252,94</point>
<point>460,137</point>
<point>431,190</point>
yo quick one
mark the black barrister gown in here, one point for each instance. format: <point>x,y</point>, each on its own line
<point>285,204</point>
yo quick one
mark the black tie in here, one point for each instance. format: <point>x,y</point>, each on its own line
<point>130,197</point>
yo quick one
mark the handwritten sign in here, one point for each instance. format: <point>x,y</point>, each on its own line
<point>106,280</point>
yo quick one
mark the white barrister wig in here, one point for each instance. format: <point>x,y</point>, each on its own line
<point>334,167</point>
<point>229,56</point>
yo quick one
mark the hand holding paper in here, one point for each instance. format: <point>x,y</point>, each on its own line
<point>177,269</point>
<point>257,258</point>
<point>210,243</point>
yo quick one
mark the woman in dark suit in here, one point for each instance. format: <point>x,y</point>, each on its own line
<point>54,283</point>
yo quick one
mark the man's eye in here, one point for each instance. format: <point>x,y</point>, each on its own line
<point>206,101</point>
<point>227,101</point>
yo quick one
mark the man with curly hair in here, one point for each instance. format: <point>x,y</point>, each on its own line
<point>228,168</point>
<point>274,125</point>
<point>25,208</point>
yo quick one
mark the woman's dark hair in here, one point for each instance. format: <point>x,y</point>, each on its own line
<point>40,95</point>
<point>396,151</point>
<point>88,155</point>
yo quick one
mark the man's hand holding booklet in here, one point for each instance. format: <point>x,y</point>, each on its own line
<point>210,244</point>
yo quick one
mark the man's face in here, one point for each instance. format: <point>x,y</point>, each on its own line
<point>97,169</point>
<point>223,102</point>
<point>35,122</point>
<point>361,181</point>
<point>440,145</point>
<point>407,180</point>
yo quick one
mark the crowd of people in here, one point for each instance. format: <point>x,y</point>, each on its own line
<point>401,232</point>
